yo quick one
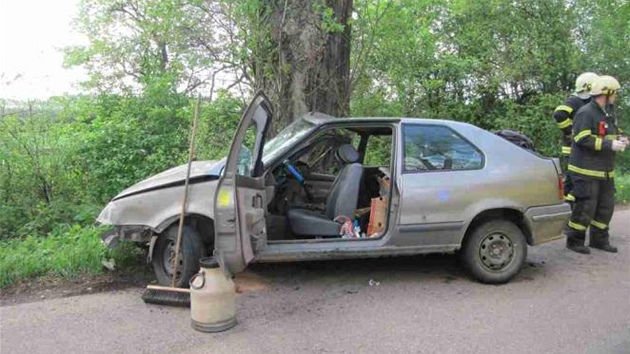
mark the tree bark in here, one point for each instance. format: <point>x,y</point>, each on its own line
<point>310,64</point>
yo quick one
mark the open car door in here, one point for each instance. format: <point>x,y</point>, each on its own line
<point>240,201</point>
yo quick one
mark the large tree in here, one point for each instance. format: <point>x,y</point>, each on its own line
<point>298,52</point>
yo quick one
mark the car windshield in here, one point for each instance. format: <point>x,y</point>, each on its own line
<point>285,139</point>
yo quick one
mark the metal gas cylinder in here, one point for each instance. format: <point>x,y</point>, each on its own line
<point>212,298</point>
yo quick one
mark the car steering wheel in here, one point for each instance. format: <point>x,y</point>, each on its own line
<point>298,176</point>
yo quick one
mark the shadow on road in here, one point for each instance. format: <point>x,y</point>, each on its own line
<point>427,269</point>
<point>437,268</point>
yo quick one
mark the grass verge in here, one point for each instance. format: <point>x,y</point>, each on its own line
<point>622,185</point>
<point>67,253</point>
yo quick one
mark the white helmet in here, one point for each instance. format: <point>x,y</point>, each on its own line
<point>605,85</point>
<point>583,84</point>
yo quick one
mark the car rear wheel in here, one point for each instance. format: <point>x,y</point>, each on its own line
<point>163,259</point>
<point>495,251</point>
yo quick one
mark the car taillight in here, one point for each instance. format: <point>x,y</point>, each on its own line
<point>560,187</point>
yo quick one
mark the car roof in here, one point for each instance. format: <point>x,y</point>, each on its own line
<point>321,118</point>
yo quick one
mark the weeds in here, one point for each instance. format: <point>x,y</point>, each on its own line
<point>65,253</point>
<point>622,186</point>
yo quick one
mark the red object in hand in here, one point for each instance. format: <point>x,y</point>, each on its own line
<point>602,128</point>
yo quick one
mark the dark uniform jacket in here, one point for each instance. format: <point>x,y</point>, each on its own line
<point>563,115</point>
<point>591,151</point>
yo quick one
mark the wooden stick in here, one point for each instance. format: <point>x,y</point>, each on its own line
<point>158,287</point>
<point>191,150</point>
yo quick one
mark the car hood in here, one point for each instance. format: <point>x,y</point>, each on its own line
<point>199,171</point>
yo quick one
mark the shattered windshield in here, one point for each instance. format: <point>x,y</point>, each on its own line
<point>285,139</point>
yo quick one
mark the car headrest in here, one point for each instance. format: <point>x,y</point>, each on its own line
<point>348,154</point>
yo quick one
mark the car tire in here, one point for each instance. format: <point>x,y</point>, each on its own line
<point>191,250</point>
<point>495,251</point>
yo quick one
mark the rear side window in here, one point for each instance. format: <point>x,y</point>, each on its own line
<point>436,147</point>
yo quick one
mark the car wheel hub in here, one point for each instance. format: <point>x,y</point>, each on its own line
<point>496,251</point>
<point>169,259</point>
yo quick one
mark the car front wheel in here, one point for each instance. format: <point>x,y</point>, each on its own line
<point>163,259</point>
<point>495,252</point>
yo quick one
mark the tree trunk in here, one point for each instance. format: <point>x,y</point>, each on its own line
<point>310,64</point>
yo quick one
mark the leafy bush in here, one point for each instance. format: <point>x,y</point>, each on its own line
<point>125,140</point>
<point>217,124</point>
<point>65,158</point>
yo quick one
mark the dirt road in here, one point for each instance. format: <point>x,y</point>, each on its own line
<point>562,302</point>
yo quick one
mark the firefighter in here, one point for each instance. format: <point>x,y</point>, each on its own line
<point>563,115</point>
<point>596,139</point>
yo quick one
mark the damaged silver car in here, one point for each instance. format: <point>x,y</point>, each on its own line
<point>333,188</point>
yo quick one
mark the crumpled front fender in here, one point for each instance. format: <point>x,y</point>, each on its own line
<point>155,210</point>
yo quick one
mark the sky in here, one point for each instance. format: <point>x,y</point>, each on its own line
<point>32,34</point>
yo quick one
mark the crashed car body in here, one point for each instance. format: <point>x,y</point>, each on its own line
<point>331,188</point>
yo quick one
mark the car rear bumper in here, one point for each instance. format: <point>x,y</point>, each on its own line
<point>547,222</point>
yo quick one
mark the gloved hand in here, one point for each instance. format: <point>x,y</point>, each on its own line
<point>617,145</point>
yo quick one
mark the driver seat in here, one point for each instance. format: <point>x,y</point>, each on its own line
<point>341,199</point>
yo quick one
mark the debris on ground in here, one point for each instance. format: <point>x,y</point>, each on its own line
<point>373,282</point>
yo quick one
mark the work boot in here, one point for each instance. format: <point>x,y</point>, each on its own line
<point>604,247</point>
<point>600,241</point>
<point>576,247</point>
<point>575,242</point>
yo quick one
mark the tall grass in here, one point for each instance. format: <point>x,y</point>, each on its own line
<point>622,185</point>
<point>65,253</point>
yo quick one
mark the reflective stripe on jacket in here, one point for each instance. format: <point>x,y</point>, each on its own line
<point>591,150</point>
<point>563,116</point>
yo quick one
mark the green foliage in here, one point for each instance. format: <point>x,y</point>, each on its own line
<point>527,119</point>
<point>43,219</point>
<point>605,33</point>
<point>498,64</point>
<point>217,125</point>
<point>145,44</point>
<point>66,158</point>
<point>37,145</point>
<point>622,186</point>
<point>375,104</point>
<point>69,252</point>
<point>379,151</point>
<point>329,22</point>
<point>128,139</point>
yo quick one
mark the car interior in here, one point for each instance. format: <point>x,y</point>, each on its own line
<point>334,186</point>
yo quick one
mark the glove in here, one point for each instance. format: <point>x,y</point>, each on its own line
<point>618,145</point>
